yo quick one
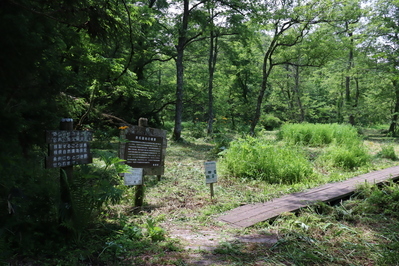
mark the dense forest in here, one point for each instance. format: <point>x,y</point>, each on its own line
<point>243,65</point>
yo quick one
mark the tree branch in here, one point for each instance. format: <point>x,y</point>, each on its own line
<point>130,40</point>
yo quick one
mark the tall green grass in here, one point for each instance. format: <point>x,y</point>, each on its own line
<point>256,159</point>
<point>318,134</point>
<point>388,152</point>
<point>348,156</point>
<point>345,148</point>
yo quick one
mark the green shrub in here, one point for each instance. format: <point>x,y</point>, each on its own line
<point>168,126</point>
<point>388,152</point>
<point>379,200</point>
<point>318,134</point>
<point>38,223</point>
<point>221,142</point>
<point>94,186</point>
<point>345,156</point>
<point>195,129</point>
<point>256,159</point>
<point>270,122</point>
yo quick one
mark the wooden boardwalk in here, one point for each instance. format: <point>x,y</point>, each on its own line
<point>251,214</point>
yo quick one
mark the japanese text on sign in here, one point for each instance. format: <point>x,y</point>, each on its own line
<point>67,148</point>
<point>63,136</point>
<point>144,151</point>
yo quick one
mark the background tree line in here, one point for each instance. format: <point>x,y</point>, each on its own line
<point>114,61</point>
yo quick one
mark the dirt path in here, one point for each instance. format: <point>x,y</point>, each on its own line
<point>202,245</point>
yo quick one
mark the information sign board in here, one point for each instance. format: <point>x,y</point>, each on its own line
<point>134,177</point>
<point>144,151</point>
<point>68,148</point>
<point>210,172</point>
<point>145,148</point>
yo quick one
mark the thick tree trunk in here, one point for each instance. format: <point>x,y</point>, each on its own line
<point>179,95</point>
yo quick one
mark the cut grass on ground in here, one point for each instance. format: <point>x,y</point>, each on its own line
<point>318,235</point>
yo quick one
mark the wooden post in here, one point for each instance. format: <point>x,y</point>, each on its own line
<point>66,178</point>
<point>139,198</point>
<point>212,193</point>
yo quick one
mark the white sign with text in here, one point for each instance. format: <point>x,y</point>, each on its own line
<point>210,172</point>
<point>134,177</point>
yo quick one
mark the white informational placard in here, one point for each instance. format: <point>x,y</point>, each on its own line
<point>134,177</point>
<point>210,172</point>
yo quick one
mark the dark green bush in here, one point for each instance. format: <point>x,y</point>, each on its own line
<point>36,222</point>
<point>270,122</point>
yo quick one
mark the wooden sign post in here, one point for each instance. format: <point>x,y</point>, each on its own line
<point>144,148</point>
<point>211,175</point>
<point>66,148</point>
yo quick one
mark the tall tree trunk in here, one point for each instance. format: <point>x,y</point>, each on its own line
<point>180,73</point>
<point>286,90</point>
<point>266,70</point>
<point>211,69</point>
<point>348,98</point>
<point>298,94</point>
<point>268,63</point>
<point>395,116</point>
<point>179,95</point>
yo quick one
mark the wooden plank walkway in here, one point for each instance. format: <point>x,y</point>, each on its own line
<point>251,214</point>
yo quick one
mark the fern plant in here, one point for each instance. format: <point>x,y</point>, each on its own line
<point>93,187</point>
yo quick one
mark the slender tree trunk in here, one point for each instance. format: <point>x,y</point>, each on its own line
<point>180,73</point>
<point>395,116</point>
<point>298,95</point>
<point>266,70</point>
<point>348,98</point>
<point>211,69</point>
<point>268,64</point>
<point>340,107</point>
<point>286,90</point>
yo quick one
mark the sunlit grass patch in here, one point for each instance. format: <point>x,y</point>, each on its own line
<point>388,152</point>
<point>276,164</point>
<point>345,156</point>
<point>318,134</point>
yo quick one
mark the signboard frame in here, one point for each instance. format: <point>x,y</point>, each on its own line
<point>149,137</point>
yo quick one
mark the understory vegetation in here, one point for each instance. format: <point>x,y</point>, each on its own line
<point>106,228</point>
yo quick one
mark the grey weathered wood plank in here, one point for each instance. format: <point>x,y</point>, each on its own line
<point>248,215</point>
